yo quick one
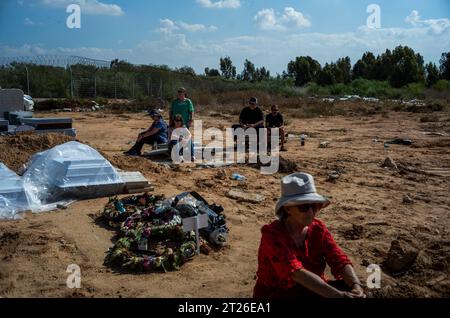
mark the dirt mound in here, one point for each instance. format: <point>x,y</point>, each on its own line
<point>17,150</point>
<point>140,164</point>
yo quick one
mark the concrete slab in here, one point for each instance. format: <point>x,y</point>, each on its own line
<point>3,125</point>
<point>11,100</point>
<point>48,123</point>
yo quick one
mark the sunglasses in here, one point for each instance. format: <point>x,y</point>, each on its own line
<point>178,121</point>
<point>306,207</point>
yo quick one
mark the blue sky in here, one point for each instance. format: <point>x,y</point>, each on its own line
<point>199,32</point>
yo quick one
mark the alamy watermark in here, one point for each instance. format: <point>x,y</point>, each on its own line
<point>230,147</point>
<point>74,279</point>
<point>374,19</point>
<point>74,19</point>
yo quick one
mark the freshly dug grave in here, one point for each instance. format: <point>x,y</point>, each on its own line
<point>17,150</point>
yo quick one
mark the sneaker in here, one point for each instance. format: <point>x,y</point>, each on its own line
<point>131,153</point>
<point>284,149</point>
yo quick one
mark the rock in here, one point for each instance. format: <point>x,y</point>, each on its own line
<point>245,196</point>
<point>389,163</point>
<point>355,233</point>
<point>401,255</point>
<point>333,176</point>
<point>205,249</point>
<point>407,199</point>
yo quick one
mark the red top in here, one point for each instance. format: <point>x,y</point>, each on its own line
<point>279,257</point>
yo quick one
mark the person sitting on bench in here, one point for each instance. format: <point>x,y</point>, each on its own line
<point>251,117</point>
<point>180,137</point>
<point>275,120</point>
<point>157,133</point>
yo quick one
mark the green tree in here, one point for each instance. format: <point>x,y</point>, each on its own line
<point>227,68</point>
<point>326,75</point>
<point>433,74</point>
<point>212,72</point>
<point>407,67</point>
<point>304,69</point>
<point>445,66</point>
<point>186,70</point>
<point>262,74</point>
<point>342,70</point>
<point>248,74</point>
<point>364,67</point>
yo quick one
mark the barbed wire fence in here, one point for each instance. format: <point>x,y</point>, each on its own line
<point>78,77</point>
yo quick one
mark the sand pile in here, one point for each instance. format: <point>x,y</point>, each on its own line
<point>17,150</point>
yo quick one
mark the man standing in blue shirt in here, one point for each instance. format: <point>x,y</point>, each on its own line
<point>156,133</point>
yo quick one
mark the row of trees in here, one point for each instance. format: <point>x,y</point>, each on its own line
<point>399,67</point>
<point>250,73</point>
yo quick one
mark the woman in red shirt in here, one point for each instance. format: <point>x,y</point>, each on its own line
<point>295,249</point>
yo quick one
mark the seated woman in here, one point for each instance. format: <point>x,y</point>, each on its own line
<point>156,133</point>
<point>180,137</point>
<point>295,249</point>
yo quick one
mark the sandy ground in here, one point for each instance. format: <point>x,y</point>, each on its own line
<point>367,213</point>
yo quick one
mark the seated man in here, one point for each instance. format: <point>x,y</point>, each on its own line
<point>251,117</point>
<point>156,133</point>
<point>275,120</point>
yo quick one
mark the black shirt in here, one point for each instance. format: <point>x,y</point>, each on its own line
<point>274,121</point>
<point>251,116</point>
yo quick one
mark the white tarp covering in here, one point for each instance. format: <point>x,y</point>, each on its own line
<point>12,194</point>
<point>69,171</point>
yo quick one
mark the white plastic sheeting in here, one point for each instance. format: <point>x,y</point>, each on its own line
<point>12,194</point>
<point>65,172</point>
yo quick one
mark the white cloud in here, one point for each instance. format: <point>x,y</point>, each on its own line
<point>177,50</point>
<point>92,7</point>
<point>168,26</point>
<point>223,4</point>
<point>268,19</point>
<point>436,26</point>
<point>197,27</point>
<point>29,22</point>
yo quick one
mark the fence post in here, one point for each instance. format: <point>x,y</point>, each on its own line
<point>115,85</point>
<point>71,81</point>
<point>95,83</point>
<point>28,80</point>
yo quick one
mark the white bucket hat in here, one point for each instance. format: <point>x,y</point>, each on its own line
<point>297,189</point>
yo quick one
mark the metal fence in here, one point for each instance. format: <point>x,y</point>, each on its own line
<point>76,77</point>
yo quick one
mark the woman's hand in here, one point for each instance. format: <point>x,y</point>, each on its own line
<point>358,291</point>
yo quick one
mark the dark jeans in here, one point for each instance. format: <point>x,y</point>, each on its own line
<point>234,127</point>
<point>150,140</point>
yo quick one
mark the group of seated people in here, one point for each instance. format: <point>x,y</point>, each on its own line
<point>252,116</point>
<point>175,134</point>
<point>181,116</point>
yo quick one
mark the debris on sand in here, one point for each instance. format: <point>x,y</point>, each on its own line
<point>333,176</point>
<point>407,199</point>
<point>245,196</point>
<point>287,166</point>
<point>356,232</point>
<point>401,256</point>
<point>389,163</point>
